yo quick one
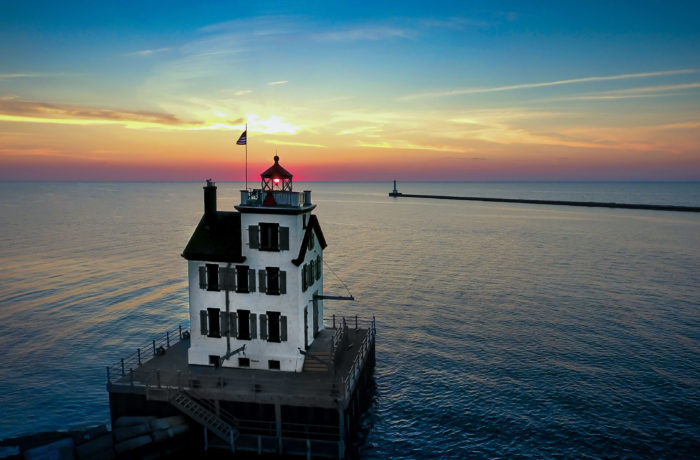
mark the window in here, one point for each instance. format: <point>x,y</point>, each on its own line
<point>272,281</point>
<point>214,322</point>
<point>212,277</point>
<point>243,278</point>
<point>269,237</point>
<point>209,277</point>
<point>243,362</point>
<point>273,327</point>
<point>311,241</point>
<point>318,267</point>
<point>273,364</point>
<point>304,278</point>
<point>273,324</point>
<point>214,361</point>
<point>243,324</point>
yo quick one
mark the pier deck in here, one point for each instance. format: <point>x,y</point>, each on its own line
<point>330,389</point>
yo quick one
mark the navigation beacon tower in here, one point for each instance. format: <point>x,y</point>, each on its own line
<point>256,278</point>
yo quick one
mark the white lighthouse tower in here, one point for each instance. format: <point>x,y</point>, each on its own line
<point>256,278</point>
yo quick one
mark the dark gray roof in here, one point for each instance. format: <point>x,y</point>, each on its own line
<point>217,239</point>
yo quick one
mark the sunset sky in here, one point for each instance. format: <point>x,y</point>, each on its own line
<point>350,91</point>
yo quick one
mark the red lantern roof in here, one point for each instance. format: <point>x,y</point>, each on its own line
<point>276,171</point>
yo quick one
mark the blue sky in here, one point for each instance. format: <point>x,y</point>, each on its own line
<point>508,83</point>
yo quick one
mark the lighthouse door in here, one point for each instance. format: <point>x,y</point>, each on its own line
<point>315,317</point>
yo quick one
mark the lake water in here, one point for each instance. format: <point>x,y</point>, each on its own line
<point>504,330</point>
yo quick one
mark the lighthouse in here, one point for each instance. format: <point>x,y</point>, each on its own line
<point>257,370</point>
<point>256,278</point>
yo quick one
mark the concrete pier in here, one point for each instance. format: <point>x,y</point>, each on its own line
<point>590,204</point>
<point>314,413</point>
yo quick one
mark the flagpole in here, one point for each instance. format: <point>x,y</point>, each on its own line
<point>246,155</point>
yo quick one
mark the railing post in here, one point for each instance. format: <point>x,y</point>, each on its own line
<point>158,377</point>
<point>131,375</point>
<point>109,380</point>
<point>334,321</point>
<point>138,351</point>
<point>167,338</point>
<point>122,367</point>
<point>179,328</point>
<point>154,347</point>
<point>355,321</point>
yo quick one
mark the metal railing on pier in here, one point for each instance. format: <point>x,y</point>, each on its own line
<point>156,346</point>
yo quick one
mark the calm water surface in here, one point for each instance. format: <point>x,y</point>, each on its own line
<point>504,330</point>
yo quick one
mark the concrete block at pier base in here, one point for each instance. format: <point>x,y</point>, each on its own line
<point>131,444</point>
<point>178,430</point>
<point>132,431</point>
<point>133,420</point>
<point>167,422</point>
<point>160,435</point>
<point>9,452</point>
<point>101,448</point>
<point>59,450</point>
<point>84,433</point>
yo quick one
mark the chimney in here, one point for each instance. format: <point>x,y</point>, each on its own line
<point>210,200</point>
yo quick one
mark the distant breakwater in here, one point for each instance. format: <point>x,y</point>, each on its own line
<point>590,204</point>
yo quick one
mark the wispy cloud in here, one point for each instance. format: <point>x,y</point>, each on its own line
<point>405,145</point>
<point>363,32</point>
<point>18,75</point>
<point>296,144</point>
<point>571,81</point>
<point>144,53</point>
<point>629,93</point>
<point>41,112</point>
<point>277,83</point>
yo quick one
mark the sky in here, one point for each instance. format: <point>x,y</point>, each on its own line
<point>459,91</point>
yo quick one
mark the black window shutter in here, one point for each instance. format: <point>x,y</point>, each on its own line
<point>283,328</point>
<point>318,267</point>
<point>231,279</point>
<point>222,279</point>
<point>263,327</point>
<point>223,321</point>
<point>283,282</point>
<point>303,278</point>
<point>203,322</point>
<point>284,238</point>
<point>253,326</point>
<point>202,277</point>
<point>262,274</point>
<point>251,280</point>
<point>233,324</point>
<point>253,237</point>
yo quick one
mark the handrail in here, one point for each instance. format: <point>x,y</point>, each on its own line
<point>145,352</point>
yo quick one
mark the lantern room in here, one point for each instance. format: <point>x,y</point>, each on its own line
<point>276,178</point>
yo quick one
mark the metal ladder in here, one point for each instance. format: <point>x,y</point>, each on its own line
<point>205,417</point>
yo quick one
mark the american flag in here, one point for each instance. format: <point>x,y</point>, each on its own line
<point>243,139</point>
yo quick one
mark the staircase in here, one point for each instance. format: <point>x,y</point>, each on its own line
<point>313,365</point>
<point>197,410</point>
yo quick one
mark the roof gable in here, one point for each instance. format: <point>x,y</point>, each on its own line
<point>314,226</point>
